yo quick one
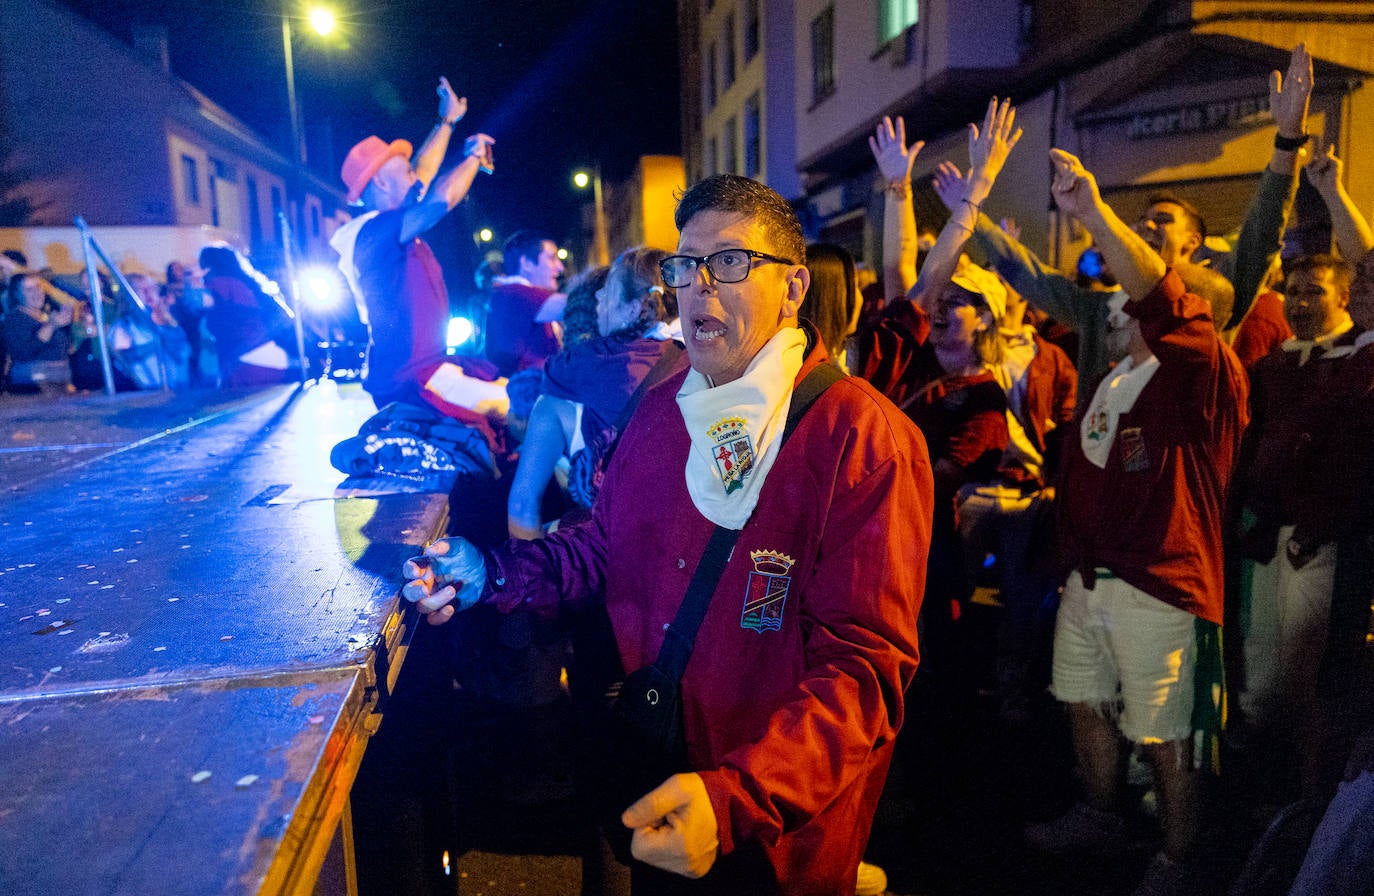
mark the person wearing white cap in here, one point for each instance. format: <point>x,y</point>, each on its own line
<point>395,274</point>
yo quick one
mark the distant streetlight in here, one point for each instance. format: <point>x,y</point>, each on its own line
<point>562,254</point>
<point>601,253</point>
<point>322,20</point>
<point>485,234</point>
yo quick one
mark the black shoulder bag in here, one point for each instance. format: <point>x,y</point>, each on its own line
<point>646,706</point>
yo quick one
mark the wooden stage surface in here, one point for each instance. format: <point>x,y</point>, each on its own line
<point>196,629</point>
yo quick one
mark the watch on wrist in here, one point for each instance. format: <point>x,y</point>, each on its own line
<point>1291,144</point>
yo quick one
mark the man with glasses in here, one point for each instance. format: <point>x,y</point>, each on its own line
<point>794,691</point>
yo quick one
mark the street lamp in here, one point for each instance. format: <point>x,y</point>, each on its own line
<point>323,21</point>
<point>601,253</point>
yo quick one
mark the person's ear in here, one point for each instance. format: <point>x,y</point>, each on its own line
<point>798,282</point>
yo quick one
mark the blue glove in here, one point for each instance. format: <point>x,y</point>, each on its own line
<point>449,576</point>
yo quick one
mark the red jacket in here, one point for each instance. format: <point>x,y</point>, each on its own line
<point>791,729</point>
<point>1154,515</point>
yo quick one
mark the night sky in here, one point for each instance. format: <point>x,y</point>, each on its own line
<point>558,83</point>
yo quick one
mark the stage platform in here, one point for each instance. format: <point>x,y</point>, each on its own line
<point>198,628</point>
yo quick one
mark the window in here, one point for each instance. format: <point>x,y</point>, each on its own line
<point>711,76</point>
<point>727,53</point>
<point>823,55</point>
<point>752,146</point>
<point>730,149</point>
<point>190,180</point>
<point>894,17</point>
<point>751,29</point>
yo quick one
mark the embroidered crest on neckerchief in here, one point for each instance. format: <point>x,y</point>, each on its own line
<point>766,595</point>
<point>733,451</point>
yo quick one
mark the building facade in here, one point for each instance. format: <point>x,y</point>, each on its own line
<point>1150,93</point>
<point>95,127</point>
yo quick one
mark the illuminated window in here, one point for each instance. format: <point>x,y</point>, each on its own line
<point>823,55</point>
<point>894,17</point>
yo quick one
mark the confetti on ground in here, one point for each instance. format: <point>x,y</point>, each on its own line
<point>60,600</point>
<point>199,776</point>
<point>96,582</point>
<point>66,631</point>
<point>172,600</point>
<point>186,547</point>
<point>134,560</point>
<point>316,720</point>
<point>245,782</point>
<point>118,550</point>
<point>158,649</point>
<point>227,638</point>
<point>55,669</point>
<point>106,587</point>
<point>26,566</point>
<point>43,612</point>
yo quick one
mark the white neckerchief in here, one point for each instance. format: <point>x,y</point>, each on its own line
<point>344,241</point>
<point>1304,346</point>
<point>1115,395</point>
<point>1365,338</point>
<point>736,429</point>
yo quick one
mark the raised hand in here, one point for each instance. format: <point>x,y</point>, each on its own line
<point>989,146</point>
<point>890,151</point>
<point>451,106</point>
<point>949,184</point>
<point>1073,186</point>
<point>1324,170</point>
<point>1011,228</point>
<point>1289,94</point>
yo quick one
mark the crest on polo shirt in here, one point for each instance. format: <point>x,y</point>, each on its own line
<point>766,595</point>
<point>733,451</point>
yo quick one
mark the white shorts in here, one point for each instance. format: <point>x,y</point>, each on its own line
<point>1116,644</point>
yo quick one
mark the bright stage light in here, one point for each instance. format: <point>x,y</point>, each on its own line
<point>320,288</point>
<point>460,330</point>
<point>322,20</point>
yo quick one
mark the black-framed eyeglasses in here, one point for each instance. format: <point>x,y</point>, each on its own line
<point>725,266</point>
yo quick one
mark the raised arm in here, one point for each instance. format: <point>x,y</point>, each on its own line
<point>895,159</point>
<point>988,149</point>
<point>448,190</point>
<point>1138,267</point>
<point>431,154</point>
<point>1353,235</point>
<point>545,442</point>
<point>1261,235</point>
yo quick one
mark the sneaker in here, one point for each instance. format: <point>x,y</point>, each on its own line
<point>872,881</point>
<point>1165,877</point>
<point>1081,829</point>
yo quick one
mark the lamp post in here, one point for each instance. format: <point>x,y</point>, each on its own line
<point>601,253</point>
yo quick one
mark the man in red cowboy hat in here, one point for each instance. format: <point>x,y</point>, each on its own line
<point>395,274</point>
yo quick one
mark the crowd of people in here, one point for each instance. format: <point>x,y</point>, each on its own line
<point>737,472</point>
<point>218,323</point>
<point>1170,442</point>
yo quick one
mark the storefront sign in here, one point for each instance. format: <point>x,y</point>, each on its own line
<point>1214,116</point>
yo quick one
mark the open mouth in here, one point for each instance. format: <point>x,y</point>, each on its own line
<point>707,328</point>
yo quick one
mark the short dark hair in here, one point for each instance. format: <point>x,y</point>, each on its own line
<point>579,314</point>
<point>1341,272</point>
<point>1189,210</point>
<point>741,196</point>
<point>523,244</point>
<point>17,257</point>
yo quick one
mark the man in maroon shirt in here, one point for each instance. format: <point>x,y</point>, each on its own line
<point>520,332</point>
<point>1141,502</point>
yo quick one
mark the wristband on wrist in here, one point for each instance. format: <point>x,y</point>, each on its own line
<point>1291,144</point>
<point>899,189</point>
<point>977,207</point>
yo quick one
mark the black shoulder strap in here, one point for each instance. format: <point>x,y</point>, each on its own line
<point>681,635</point>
